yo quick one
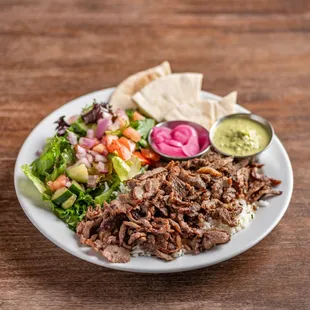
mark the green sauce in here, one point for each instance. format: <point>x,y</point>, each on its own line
<point>240,136</point>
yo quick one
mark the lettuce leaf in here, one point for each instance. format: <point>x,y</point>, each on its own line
<point>107,194</point>
<point>76,213</point>
<point>121,168</point>
<point>79,127</point>
<point>135,166</point>
<point>117,132</point>
<point>35,180</point>
<point>56,156</point>
<point>143,126</point>
<point>66,159</point>
<point>129,113</point>
<point>126,169</point>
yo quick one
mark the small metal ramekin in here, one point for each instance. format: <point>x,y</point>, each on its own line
<point>201,131</point>
<point>251,116</point>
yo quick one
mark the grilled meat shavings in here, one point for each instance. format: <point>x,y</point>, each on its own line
<point>166,209</point>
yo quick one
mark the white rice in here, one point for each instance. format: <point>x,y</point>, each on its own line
<point>124,189</point>
<point>263,203</point>
<point>179,253</point>
<point>243,219</point>
<point>137,251</point>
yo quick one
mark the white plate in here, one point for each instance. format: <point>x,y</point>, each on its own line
<point>277,165</point>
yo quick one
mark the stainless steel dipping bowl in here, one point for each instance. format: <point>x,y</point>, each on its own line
<point>251,116</point>
<point>202,132</point>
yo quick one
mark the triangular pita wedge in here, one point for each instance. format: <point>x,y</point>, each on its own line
<point>190,113</point>
<point>164,94</point>
<point>121,97</point>
<point>214,109</point>
<point>204,112</point>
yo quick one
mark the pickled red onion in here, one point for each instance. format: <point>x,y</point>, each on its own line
<point>170,150</point>
<point>182,141</point>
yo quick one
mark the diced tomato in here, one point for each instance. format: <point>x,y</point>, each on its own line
<point>101,149</point>
<point>121,150</point>
<point>125,142</point>
<point>137,116</point>
<point>132,134</point>
<point>133,145</point>
<point>112,146</point>
<point>143,160</point>
<point>150,154</point>
<point>58,183</point>
<point>107,139</point>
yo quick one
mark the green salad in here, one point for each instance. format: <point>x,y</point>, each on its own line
<point>90,157</point>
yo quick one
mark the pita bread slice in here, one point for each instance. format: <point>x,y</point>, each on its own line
<point>190,113</point>
<point>204,112</point>
<point>214,109</point>
<point>164,94</point>
<point>121,97</point>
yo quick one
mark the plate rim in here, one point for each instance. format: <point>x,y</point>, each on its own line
<point>174,269</point>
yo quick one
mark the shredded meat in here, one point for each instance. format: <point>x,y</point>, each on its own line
<point>209,170</point>
<point>214,237</point>
<point>116,254</point>
<point>167,208</point>
<point>151,173</point>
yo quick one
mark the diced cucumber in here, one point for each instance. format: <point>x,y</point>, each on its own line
<point>79,128</point>
<point>69,202</point>
<point>61,195</point>
<point>143,143</point>
<point>76,188</point>
<point>78,173</point>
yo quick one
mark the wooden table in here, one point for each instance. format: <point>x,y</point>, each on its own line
<point>54,51</point>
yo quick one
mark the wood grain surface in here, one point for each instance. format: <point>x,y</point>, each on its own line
<point>54,51</point>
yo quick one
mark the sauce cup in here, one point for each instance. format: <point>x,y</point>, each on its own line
<point>268,127</point>
<point>203,137</point>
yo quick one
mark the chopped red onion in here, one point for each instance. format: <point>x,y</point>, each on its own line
<point>93,153</point>
<point>80,156</point>
<point>83,161</point>
<point>105,151</point>
<point>92,180</point>
<point>116,125</point>
<point>121,113</point>
<point>103,124</point>
<point>80,152</point>
<point>90,158</point>
<point>68,184</point>
<point>100,158</point>
<point>106,115</point>
<point>102,167</point>
<point>90,133</point>
<point>88,143</point>
<point>72,137</point>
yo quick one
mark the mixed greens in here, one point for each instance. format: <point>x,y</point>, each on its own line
<point>87,161</point>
